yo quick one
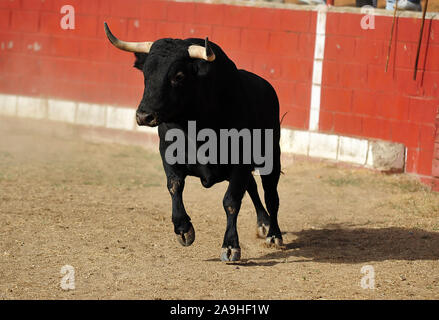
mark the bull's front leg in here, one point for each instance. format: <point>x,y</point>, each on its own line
<point>182,222</point>
<point>231,251</point>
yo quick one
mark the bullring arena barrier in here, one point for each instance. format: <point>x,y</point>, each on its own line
<point>328,71</point>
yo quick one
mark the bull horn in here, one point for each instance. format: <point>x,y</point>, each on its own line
<point>127,46</point>
<point>206,52</point>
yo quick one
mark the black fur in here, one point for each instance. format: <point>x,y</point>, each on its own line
<point>218,96</point>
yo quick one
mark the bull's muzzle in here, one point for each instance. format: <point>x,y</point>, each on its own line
<point>146,119</point>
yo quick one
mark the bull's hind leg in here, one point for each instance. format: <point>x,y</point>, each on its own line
<point>231,251</point>
<point>270,182</point>
<point>263,220</point>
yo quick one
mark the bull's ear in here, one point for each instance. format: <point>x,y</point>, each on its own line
<point>140,60</point>
<point>202,68</point>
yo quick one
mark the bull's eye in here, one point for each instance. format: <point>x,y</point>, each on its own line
<point>178,78</point>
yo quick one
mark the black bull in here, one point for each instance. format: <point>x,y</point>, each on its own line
<point>194,80</point>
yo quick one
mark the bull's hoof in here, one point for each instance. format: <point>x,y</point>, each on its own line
<point>231,254</point>
<point>273,241</point>
<point>186,238</point>
<point>262,231</point>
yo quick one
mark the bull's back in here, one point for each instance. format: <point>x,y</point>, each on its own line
<point>260,100</point>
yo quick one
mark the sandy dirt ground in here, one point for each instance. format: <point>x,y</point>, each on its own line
<point>104,210</point>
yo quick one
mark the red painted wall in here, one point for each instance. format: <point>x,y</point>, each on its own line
<point>39,58</point>
<point>360,99</point>
<point>80,64</point>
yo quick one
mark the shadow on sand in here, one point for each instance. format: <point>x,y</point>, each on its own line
<point>353,245</point>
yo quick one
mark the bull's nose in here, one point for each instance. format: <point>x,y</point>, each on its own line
<point>145,119</point>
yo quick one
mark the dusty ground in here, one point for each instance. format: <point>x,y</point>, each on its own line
<point>104,209</point>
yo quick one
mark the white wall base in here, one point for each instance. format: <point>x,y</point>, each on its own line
<point>380,155</point>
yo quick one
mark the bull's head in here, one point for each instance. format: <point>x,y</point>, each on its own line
<point>171,68</point>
